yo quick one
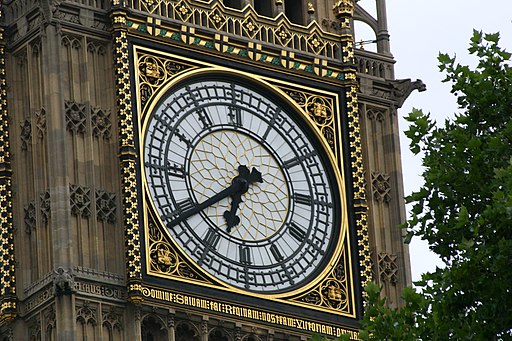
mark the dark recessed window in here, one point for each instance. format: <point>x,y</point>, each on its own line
<point>294,10</point>
<point>233,3</point>
<point>263,7</point>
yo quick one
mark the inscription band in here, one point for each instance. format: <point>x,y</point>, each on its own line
<point>249,313</point>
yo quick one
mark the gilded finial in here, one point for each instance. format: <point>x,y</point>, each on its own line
<point>279,2</point>
<point>343,8</point>
<point>311,8</point>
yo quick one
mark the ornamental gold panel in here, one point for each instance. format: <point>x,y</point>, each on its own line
<point>165,259</point>
<point>321,110</point>
<point>333,291</point>
<point>153,72</point>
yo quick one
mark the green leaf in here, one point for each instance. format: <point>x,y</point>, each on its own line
<point>493,37</point>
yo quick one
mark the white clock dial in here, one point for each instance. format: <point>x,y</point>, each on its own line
<point>241,187</point>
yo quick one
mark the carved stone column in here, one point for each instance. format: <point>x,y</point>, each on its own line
<point>278,6</point>
<point>137,325</point>
<point>311,11</point>
<point>204,329</point>
<point>171,326</point>
<point>63,251</point>
<point>382,34</point>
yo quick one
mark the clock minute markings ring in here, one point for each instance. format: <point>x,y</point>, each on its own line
<point>197,139</point>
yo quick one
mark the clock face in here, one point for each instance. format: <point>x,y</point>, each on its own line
<point>240,186</point>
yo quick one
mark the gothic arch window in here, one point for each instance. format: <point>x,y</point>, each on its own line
<point>367,67</point>
<point>294,10</point>
<point>153,329</point>
<point>361,65</point>
<point>375,69</point>
<point>186,332</point>
<point>382,71</point>
<point>218,335</point>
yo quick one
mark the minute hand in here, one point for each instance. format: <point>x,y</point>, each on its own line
<point>235,187</point>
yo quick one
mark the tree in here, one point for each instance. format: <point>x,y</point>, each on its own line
<point>463,210</point>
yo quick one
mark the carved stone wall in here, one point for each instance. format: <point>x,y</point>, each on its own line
<point>381,146</point>
<point>66,174</point>
<point>89,162</point>
<point>64,137</point>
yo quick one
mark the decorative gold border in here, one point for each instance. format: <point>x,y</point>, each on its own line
<point>128,159</point>
<point>7,261</point>
<point>320,110</point>
<point>240,34</point>
<point>340,70</point>
<point>244,23</point>
<point>163,257</point>
<point>329,275</point>
<point>153,71</point>
<point>344,11</point>
<point>361,208</point>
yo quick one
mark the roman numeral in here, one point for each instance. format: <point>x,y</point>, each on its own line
<point>201,112</point>
<point>302,199</point>
<point>171,169</point>
<point>175,170</point>
<point>182,138</point>
<point>271,123</point>
<point>183,206</point>
<point>184,209</point>
<point>297,160</point>
<point>296,232</point>
<point>212,238</point>
<point>204,118</point>
<point>276,253</point>
<point>245,254</point>
<point>235,116</point>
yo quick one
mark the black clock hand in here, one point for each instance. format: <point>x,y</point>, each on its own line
<point>234,188</point>
<point>231,218</point>
<point>245,178</point>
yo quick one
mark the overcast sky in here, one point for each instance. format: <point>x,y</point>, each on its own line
<point>419,30</point>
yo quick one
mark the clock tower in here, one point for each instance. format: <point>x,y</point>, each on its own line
<point>196,170</point>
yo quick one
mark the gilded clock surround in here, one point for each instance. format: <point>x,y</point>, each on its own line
<point>127,160</point>
<point>333,291</point>
<point>315,295</point>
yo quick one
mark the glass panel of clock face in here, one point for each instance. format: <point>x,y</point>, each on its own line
<point>239,185</point>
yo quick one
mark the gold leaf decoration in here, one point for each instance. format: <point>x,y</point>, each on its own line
<point>153,72</point>
<point>320,110</point>
<point>332,292</point>
<point>165,259</point>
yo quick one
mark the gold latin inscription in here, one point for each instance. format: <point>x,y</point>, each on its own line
<point>249,313</point>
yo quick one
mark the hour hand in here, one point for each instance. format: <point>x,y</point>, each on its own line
<point>245,178</point>
<point>231,218</point>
